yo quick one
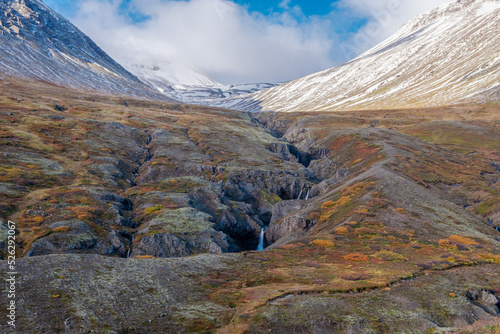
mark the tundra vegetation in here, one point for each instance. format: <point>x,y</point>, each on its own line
<point>136,216</point>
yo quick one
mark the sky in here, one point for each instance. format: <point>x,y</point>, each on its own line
<point>240,41</point>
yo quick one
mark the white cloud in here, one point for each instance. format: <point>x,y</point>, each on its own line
<point>232,45</point>
<point>217,37</point>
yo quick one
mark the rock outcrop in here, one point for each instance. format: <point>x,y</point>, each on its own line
<point>485,300</point>
<point>68,237</point>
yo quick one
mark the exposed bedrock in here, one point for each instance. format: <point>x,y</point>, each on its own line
<point>166,193</point>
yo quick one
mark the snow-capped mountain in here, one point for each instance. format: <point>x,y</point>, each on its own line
<point>37,43</point>
<point>164,77</point>
<point>449,55</point>
<point>188,85</point>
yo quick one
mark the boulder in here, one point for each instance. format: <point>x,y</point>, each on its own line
<point>286,208</point>
<point>290,227</point>
<point>485,300</point>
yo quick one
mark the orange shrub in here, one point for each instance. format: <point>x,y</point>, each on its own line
<point>84,200</point>
<point>83,212</point>
<point>329,204</point>
<point>352,224</point>
<point>365,230</point>
<point>145,257</point>
<point>344,200</point>
<point>326,216</point>
<point>490,257</point>
<point>356,257</point>
<point>400,210</point>
<point>462,240</point>
<point>324,243</point>
<point>40,232</point>
<point>354,189</point>
<point>341,230</point>
<point>362,210</point>
<point>446,243</point>
<point>38,219</point>
<point>61,229</point>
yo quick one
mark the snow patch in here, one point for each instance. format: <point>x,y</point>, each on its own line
<point>488,8</point>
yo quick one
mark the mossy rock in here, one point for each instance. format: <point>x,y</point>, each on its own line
<point>183,220</point>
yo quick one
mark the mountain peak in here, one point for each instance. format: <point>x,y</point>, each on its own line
<point>446,56</point>
<point>38,43</point>
<point>458,7</point>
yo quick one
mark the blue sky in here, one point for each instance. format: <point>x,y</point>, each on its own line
<point>69,7</point>
<point>237,41</point>
<point>308,7</point>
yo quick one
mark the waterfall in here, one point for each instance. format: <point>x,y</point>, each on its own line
<point>307,196</point>
<point>261,240</point>
<point>130,247</point>
<point>300,194</point>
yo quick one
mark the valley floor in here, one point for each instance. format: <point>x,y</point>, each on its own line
<point>137,216</point>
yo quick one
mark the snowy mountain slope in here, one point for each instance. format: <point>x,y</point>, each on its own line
<point>449,55</point>
<point>164,77</point>
<point>37,43</point>
<point>185,84</point>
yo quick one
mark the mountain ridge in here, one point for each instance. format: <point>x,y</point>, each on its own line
<point>38,43</point>
<point>443,57</point>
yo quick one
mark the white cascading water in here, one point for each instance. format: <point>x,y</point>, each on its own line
<point>300,194</point>
<point>261,240</point>
<point>307,195</point>
<point>130,247</point>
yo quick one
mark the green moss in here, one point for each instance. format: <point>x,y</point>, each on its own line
<point>270,198</point>
<point>183,220</point>
<point>153,209</point>
<point>486,207</point>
